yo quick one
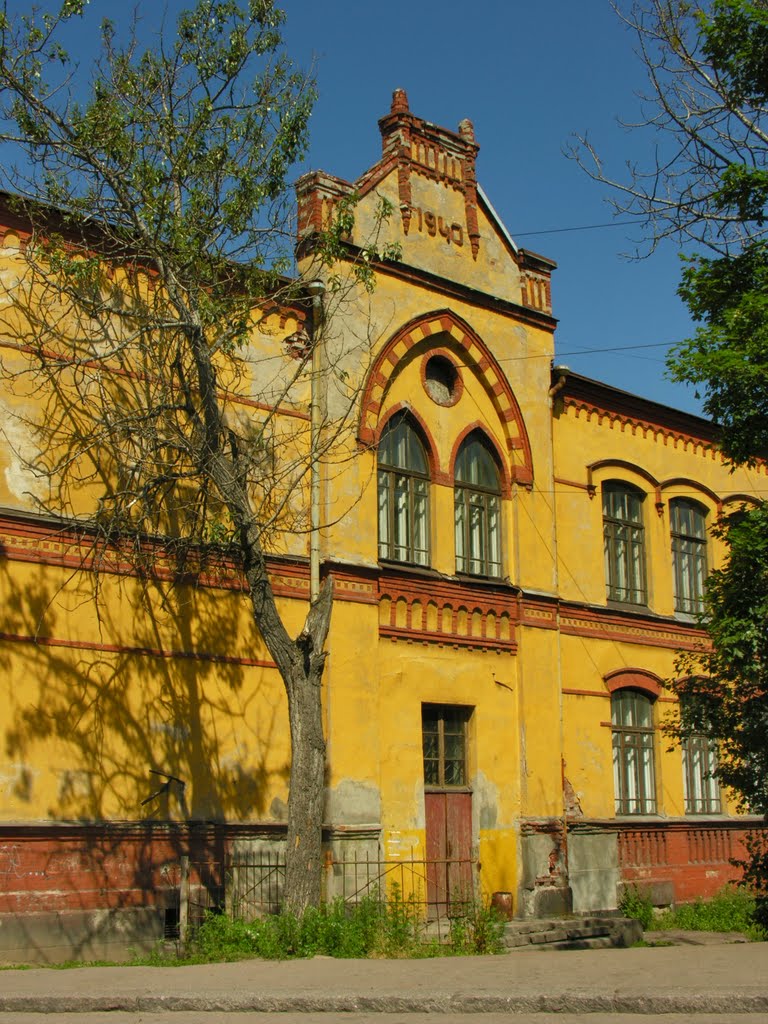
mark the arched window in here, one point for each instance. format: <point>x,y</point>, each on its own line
<point>624,543</point>
<point>633,752</point>
<point>477,506</point>
<point>689,554</point>
<point>403,494</point>
<point>702,790</point>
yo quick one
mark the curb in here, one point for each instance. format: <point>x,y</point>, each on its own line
<point>570,1002</point>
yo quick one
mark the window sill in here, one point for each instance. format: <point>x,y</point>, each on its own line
<point>628,606</point>
<point>490,581</point>
<point>446,789</point>
<point>412,567</point>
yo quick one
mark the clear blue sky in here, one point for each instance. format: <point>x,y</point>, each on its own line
<point>528,75</point>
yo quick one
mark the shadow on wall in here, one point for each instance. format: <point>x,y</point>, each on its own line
<point>105,679</point>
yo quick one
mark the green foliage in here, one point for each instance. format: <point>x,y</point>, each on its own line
<point>637,905</point>
<point>724,690</point>
<point>371,928</point>
<point>728,355</point>
<point>735,40</point>
<point>180,150</point>
<point>755,879</point>
<point>733,909</point>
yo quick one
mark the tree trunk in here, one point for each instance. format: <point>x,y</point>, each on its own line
<point>306,798</point>
<point>300,662</point>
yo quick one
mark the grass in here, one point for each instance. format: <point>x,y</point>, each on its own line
<point>730,910</point>
<point>372,928</point>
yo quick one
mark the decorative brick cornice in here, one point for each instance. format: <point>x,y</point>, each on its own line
<point>633,679</point>
<point>609,624</point>
<point>610,407</point>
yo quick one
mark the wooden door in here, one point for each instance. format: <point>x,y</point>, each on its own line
<point>449,849</point>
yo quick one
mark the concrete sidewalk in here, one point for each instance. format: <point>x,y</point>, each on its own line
<point>682,979</point>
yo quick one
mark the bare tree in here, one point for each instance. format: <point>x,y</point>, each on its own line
<point>150,203</point>
<point>698,126</point>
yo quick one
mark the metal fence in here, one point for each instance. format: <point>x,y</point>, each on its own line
<point>251,886</point>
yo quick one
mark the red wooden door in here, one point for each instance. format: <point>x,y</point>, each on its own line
<point>449,849</point>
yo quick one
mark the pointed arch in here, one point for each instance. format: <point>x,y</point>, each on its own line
<point>422,430</point>
<point>479,358</point>
<point>477,427</point>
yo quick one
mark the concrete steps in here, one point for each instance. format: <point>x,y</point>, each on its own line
<point>594,932</point>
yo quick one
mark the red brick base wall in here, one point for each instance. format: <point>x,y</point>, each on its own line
<point>49,868</point>
<point>696,858</point>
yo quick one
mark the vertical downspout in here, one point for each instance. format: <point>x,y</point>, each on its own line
<point>316,289</point>
<point>561,372</point>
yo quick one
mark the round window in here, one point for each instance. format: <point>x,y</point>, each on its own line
<point>441,380</point>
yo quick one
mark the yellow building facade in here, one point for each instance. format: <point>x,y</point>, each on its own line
<point>518,555</point>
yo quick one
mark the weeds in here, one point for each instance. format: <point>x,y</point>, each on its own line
<point>637,905</point>
<point>477,930</point>
<point>372,928</point>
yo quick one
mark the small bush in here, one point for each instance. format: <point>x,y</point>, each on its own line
<point>637,905</point>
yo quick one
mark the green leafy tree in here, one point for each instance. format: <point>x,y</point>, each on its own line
<point>707,107</point>
<point>153,181</point>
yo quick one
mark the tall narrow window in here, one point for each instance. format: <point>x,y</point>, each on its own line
<point>444,737</point>
<point>624,543</point>
<point>689,554</point>
<point>633,770</point>
<point>477,507</point>
<point>702,791</point>
<point>403,494</point>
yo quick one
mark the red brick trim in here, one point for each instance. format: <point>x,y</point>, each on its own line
<point>663,430</point>
<point>624,467</point>
<point>568,692</point>
<point>443,353</point>
<point>633,679</point>
<point>428,608</point>
<point>746,499</point>
<point>476,355</point>
<point>144,652</point>
<point>607,624</point>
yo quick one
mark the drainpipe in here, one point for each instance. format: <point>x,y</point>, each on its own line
<point>561,372</point>
<point>315,289</point>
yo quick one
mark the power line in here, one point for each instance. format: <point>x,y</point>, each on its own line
<point>583,227</point>
<point>586,351</point>
<point>618,348</point>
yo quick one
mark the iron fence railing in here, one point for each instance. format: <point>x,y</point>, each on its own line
<point>250,885</point>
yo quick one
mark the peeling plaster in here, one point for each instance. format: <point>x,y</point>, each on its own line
<point>485,800</point>
<point>20,479</point>
<point>353,803</point>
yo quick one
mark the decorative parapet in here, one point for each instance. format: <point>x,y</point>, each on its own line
<point>448,612</point>
<point>416,146</point>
